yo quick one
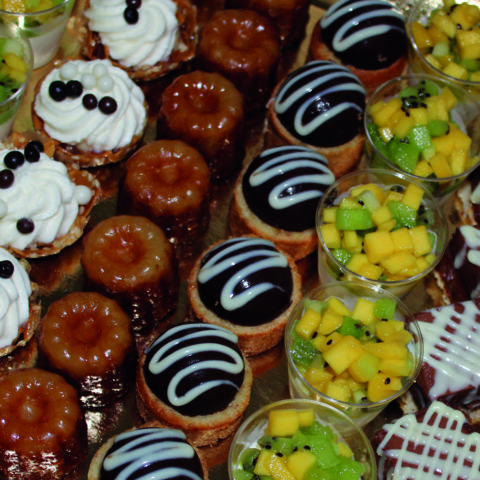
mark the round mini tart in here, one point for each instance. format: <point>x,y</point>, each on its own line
<point>129,259</point>
<point>44,207</point>
<point>168,182</point>
<point>320,106</point>
<point>150,449</point>
<point>206,111</point>
<point>118,31</point>
<point>367,37</point>
<point>277,195</point>
<point>88,339</point>
<point>245,284</point>
<point>195,377</point>
<point>43,434</point>
<point>20,312</point>
<point>92,110</point>
<point>243,46</point>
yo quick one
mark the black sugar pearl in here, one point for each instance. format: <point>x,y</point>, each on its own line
<point>74,88</point>
<point>25,225</point>
<point>58,90</point>
<point>6,269</point>
<point>134,3</point>
<point>89,101</point>
<point>107,105</point>
<point>14,159</point>
<point>32,151</point>
<point>6,178</point>
<point>130,15</point>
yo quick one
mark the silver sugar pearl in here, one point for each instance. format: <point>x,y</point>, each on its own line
<point>88,81</point>
<point>99,70</point>
<point>105,84</point>
<point>68,71</point>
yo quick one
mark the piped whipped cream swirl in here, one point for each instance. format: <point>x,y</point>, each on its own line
<point>367,34</point>
<point>246,281</point>
<point>148,41</point>
<point>69,122</point>
<point>196,368</point>
<point>15,291</point>
<point>43,193</point>
<point>321,104</point>
<point>151,452</point>
<point>283,186</point>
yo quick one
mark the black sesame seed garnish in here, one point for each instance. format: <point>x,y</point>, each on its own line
<point>74,88</point>
<point>387,380</point>
<point>107,105</point>
<point>89,101</point>
<point>307,447</point>
<point>279,454</point>
<point>130,15</point>
<point>361,202</point>
<point>268,446</point>
<point>367,333</point>
<point>295,449</point>
<point>32,151</point>
<point>6,269</point>
<point>57,90</point>
<point>384,319</point>
<point>329,342</point>
<point>6,178</point>
<point>14,159</point>
<point>314,334</point>
<point>364,399</point>
<point>25,225</point>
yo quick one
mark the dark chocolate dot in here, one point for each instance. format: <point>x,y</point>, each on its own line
<point>32,151</point>
<point>6,269</point>
<point>57,90</point>
<point>74,88</point>
<point>6,178</point>
<point>107,105</point>
<point>89,101</point>
<point>14,159</point>
<point>130,15</point>
<point>25,225</point>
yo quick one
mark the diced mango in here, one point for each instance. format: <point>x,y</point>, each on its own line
<point>413,196</point>
<point>364,367</point>
<point>330,322</point>
<point>402,240</point>
<point>308,324</point>
<point>382,386</point>
<point>300,462</point>
<point>343,353</point>
<point>398,262</point>
<point>421,240</point>
<point>283,422</point>
<point>378,245</point>
<point>331,236</point>
<point>364,311</point>
<point>337,306</point>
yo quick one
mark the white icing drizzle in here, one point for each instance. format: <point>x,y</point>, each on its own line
<point>162,360</point>
<point>151,446</point>
<point>290,93</point>
<point>441,452</point>
<point>43,192</point>
<point>144,43</point>
<point>291,160</point>
<point>223,259</point>
<point>342,40</point>
<point>70,122</point>
<point>14,300</point>
<point>454,356</point>
<point>472,244</point>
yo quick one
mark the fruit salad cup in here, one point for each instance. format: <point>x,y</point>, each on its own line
<point>444,41</point>
<point>352,346</point>
<point>300,439</point>
<point>379,228</point>
<point>16,66</point>
<point>43,21</point>
<point>425,127</point>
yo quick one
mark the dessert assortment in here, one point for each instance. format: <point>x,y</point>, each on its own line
<point>190,225</point>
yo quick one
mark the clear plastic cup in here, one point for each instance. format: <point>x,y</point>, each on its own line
<point>349,292</point>
<point>253,428</point>
<point>44,29</point>
<point>19,45</point>
<point>466,114</point>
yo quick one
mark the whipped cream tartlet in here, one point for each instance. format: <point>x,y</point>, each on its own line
<point>43,206</point>
<point>92,110</point>
<point>147,38</point>
<point>19,315</point>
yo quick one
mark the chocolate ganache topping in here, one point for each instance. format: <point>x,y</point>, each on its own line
<point>321,104</point>
<point>282,186</point>
<point>195,368</point>
<point>367,34</point>
<point>151,453</point>
<point>246,281</point>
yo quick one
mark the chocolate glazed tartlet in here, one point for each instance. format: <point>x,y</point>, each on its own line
<point>195,377</point>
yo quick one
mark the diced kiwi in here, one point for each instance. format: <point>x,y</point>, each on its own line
<point>249,458</point>
<point>243,475</point>
<point>354,219</point>
<point>385,308</point>
<point>303,351</point>
<point>342,255</point>
<point>404,154</point>
<point>352,327</point>
<point>317,473</point>
<point>404,215</point>
<point>437,128</point>
<point>284,445</point>
<point>377,139</point>
<point>348,469</point>
<point>420,136</point>
<point>369,200</point>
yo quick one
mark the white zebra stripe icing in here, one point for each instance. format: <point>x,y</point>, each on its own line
<point>173,351</point>
<point>452,348</point>
<point>437,452</point>
<point>145,447</point>
<point>342,40</point>
<point>222,260</point>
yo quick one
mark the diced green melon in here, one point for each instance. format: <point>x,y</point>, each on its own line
<point>354,219</point>
<point>385,308</point>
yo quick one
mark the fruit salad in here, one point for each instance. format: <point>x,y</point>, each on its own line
<point>449,40</point>
<point>381,233</point>
<point>421,131</point>
<point>296,446</point>
<point>354,355</point>
<point>28,6</point>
